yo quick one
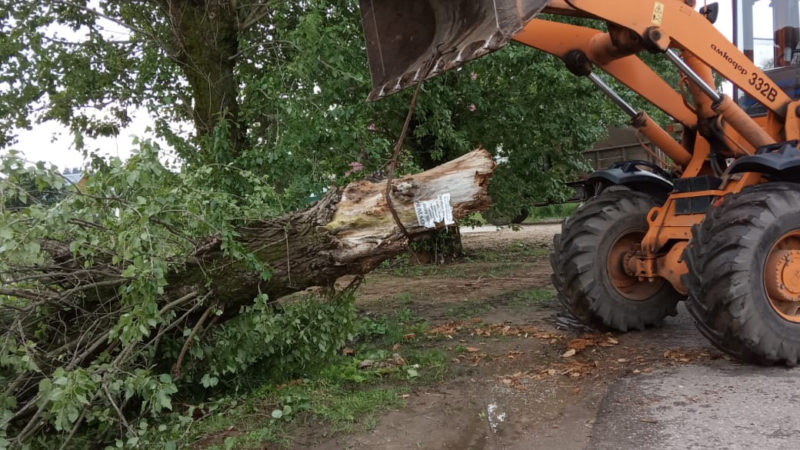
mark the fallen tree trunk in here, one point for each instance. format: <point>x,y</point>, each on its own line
<point>349,232</point>
<point>81,306</point>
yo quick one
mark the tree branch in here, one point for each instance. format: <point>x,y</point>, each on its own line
<point>255,16</point>
<point>176,371</point>
<point>98,14</point>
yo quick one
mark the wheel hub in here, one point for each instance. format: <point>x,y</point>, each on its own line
<point>618,262</point>
<point>783,269</point>
<point>782,276</point>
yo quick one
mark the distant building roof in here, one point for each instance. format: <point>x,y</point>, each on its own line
<point>74,177</point>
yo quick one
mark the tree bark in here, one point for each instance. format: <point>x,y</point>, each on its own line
<point>349,232</point>
<point>206,37</point>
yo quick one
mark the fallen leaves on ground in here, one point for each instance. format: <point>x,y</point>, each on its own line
<point>515,381</point>
<point>447,329</point>
<point>592,340</point>
<point>476,327</point>
<point>686,356</point>
<point>473,356</point>
<point>580,357</point>
<point>512,355</point>
<point>502,329</point>
<point>572,369</point>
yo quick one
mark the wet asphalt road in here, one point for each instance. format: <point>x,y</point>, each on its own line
<point>712,405</point>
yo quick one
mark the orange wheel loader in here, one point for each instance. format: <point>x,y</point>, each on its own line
<point>723,231</point>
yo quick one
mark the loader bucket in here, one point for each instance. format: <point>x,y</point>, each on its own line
<point>411,39</point>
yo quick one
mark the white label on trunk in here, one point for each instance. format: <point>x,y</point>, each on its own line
<point>431,212</point>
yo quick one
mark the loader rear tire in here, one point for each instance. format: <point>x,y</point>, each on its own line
<point>731,262</point>
<point>587,261</point>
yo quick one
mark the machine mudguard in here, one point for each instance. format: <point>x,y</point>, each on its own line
<point>640,176</point>
<point>779,161</point>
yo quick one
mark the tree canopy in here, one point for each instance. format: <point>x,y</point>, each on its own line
<point>279,88</point>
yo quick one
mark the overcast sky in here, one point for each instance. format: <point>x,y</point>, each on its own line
<point>53,143</point>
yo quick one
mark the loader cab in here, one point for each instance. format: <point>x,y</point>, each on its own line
<point>768,32</point>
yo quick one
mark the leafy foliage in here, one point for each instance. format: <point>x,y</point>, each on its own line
<point>302,336</point>
<point>77,352</point>
<point>504,102</point>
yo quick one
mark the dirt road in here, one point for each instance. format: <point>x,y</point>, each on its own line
<point>521,381</point>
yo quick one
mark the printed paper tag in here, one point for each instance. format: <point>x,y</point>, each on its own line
<point>431,212</point>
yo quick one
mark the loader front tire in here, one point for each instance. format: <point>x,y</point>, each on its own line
<point>588,259</point>
<point>744,274</point>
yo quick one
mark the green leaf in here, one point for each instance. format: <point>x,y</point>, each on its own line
<point>45,387</point>
<point>32,248</point>
<point>208,381</point>
<point>277,413</point>
<point>132,177</point>
<point>164,401</point>
<point>129,271</point>
<point>72,414</point>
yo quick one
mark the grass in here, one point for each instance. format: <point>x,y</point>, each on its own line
<point>404,298</point>
<point>337,398</point>
<point>516,300</point>
<point>470,308</point>
<point>337,406</point>
<point>505,263</point>
<point>343,410</point>
<point>504,260</point>
<point>551,212</point>
<point>401,267</point>
<point>533,297</point>
<point>515,252</point>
